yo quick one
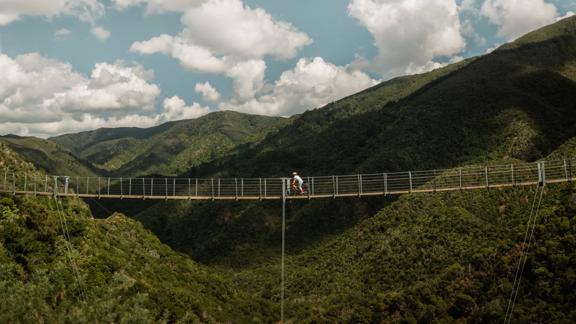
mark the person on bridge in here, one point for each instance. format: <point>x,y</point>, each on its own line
<point>297,183</point>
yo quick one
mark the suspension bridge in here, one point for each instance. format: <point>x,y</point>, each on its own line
<point>334,186</point>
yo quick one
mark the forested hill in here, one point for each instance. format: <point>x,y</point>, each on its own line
<point>113,270</point>
<point>171,148</point>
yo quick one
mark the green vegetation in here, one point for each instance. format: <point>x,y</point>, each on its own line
<point>126,274</point>
<point>171,148</point>
<point>445,257</point>
<point>48,156</point>
<point>437,258</point>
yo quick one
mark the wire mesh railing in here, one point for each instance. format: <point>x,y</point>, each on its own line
<point>472,177</point>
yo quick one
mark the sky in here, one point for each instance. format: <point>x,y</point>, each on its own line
<point>75,65</point>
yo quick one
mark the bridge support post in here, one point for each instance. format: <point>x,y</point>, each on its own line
<point>460,173</point>
<point>410,179</point>
<point>212,185</point>
<point>55,186</point>
<point>45,184</point>
<point>385,184</point>
<point>487,180</point>
<point>285,182</point>
<point>4,188</point>
<point>512,175</point>
<point>541,174</point>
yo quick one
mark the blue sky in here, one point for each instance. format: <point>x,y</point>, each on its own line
<point>75,65</point>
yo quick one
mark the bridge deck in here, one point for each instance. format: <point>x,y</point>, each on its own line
<point>358,185</point>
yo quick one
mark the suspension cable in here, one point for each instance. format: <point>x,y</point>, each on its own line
<point>69,252</point>
<point>528,235</point>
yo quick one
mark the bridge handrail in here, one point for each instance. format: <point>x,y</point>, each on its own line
<point>467,177</point>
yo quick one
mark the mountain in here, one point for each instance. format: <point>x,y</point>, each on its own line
<point>518,102</point>
<point>49,157</point>
<point>171,148</point>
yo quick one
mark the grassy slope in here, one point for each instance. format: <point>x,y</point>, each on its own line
<point>128,275</point>
<point>48,156</point>
<point>171,148</point>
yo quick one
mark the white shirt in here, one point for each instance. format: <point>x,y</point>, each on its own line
<point>297,178</point>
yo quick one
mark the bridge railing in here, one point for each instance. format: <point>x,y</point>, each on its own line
<point>470,177</point>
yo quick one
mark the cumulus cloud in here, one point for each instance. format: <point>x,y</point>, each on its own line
<point>100,33</point>
<point>517,17</point>
<point>208,92</point>
<point>43,97</point>
<point>237,33</point>
<point>62,34</point>
<point>410,34</point>
<point>112,88</point>
<point>312,83</point>
<point>240,39</point>
<point>241,31</point>
<point>158,6</point>
<point>175,108</point>
<point>192,57</point>
<point>85,10</point>
<point>248,77</point>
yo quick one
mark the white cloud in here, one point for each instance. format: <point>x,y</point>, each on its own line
<point>517,17</point>
<point>240,31</point>
<point>159,6</point>
<point>44,97</point>
<point>100,33</point>
<point>238,34</point>
<point>312,83</point>
<point>208,92</point>
<point>410,33</point>
<point>112,88</point>
<point>192,57</point>
<point>62,34</point>
<point>176,109</point>
<point>85,10</point>
<point>240,39</point>
<point>248,78</point>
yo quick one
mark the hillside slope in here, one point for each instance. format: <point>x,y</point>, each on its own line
<point>518,102</point>
<point>171,148</point>
<point>113,270</point>
<point>49,157</point>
